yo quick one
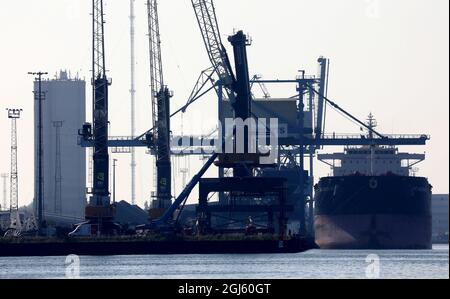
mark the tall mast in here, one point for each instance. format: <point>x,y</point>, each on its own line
<point>39,96</point>
<point>133,100</point>
<point>372,124</point>
<point>15,223</point>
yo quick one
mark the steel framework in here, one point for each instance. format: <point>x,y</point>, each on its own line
<point>100,110</point>
<point>15,222</point>
<point>160,97</point>
<point>209,28</point>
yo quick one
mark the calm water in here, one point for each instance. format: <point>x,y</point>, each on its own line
<point>313,264</point>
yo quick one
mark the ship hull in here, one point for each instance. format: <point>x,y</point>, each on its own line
<point>373,232</point>
<point>390,212</point>
<point>13,248</point>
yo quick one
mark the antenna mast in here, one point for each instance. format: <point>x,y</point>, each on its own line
<point>133,101</point>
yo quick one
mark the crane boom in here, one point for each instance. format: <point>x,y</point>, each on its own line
<point>320,117</point>
<point>237,87</point>
<point>160,97</point>
<point>207,21</point>
<point>156,69</point>
<point>99,64</point>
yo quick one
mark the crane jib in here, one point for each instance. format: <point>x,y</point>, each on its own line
<point>207,21</point>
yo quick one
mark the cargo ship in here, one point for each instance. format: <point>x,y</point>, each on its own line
<point>373,200</point>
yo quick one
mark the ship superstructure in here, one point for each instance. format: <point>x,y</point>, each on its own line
<point>372,159</point>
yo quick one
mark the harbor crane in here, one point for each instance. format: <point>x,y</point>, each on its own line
<point>160,97</point>
<point>236,85</point>
<point>99,211</point>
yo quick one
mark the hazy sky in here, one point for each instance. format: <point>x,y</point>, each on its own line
<point>389,57</point>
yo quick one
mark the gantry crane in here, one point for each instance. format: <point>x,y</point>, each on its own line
<point>244,159</point>
<point>160,97</point>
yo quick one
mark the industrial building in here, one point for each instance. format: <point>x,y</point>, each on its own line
<point>440,217</point>
<point>63,161</point>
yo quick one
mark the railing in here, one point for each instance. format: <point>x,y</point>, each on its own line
<point>359,136</point>
<point>122,143</point>
<point>121,138</point>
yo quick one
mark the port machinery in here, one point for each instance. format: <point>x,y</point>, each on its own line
<point>233,87</point>
<point>99,212</point>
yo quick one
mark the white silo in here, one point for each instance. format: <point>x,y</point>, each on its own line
<point>64,161</point>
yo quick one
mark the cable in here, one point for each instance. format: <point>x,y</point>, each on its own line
<point>336,106</point>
